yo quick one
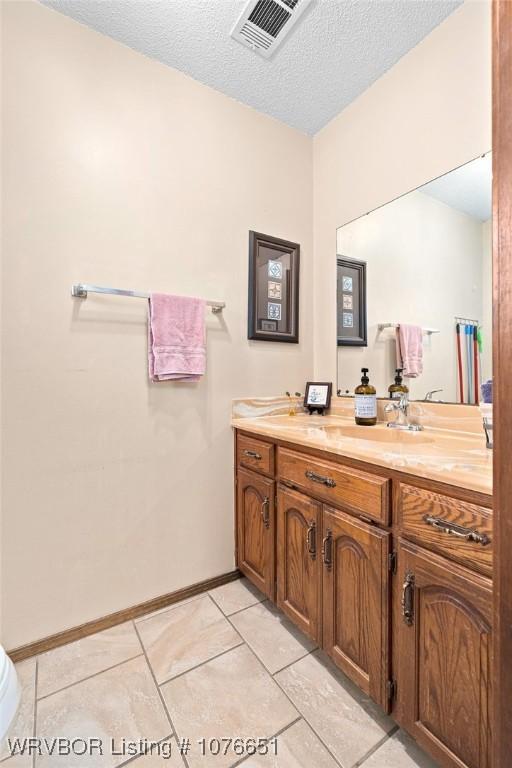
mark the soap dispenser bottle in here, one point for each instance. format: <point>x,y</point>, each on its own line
<point>365,401</point>
<point>398,389</point>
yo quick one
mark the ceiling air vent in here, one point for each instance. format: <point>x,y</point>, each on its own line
<point>264,24</point>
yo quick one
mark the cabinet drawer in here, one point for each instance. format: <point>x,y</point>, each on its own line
<point>458,529</point>
<point>255,454</point>
<point>355,491</point>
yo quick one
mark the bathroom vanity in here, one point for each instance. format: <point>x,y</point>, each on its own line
<point>379,546</point>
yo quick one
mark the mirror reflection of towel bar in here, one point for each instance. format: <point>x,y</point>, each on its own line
<point>428,331</point>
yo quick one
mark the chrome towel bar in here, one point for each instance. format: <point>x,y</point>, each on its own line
<point>80,291</point>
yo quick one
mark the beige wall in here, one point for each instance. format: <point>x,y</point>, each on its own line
<point>118,170</point>
<point>424,267</point>
<point>430,113</point>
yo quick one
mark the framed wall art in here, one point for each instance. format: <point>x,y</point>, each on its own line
<point>351,303</point>
<point>273,289</point>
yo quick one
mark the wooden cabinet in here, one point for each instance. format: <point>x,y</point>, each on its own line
<point>256,529</point>
<point>443,625</point>
<point>389,574</point>
<point>299,564</point>
<point>356,601</point>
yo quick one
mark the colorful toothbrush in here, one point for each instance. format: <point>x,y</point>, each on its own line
<point>459,363</point>
<point>475,363</point>
<point>469,360</point>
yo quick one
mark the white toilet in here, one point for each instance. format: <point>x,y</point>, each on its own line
<point>9,693</point>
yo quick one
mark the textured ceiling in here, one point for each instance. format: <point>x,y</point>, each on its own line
<point>337,49</point>
<point>468,188</point>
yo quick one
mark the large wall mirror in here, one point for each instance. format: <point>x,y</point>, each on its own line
<point>423,260</point>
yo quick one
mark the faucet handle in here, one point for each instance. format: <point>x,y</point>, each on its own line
<point>399,405</point>
<point>428,396</point>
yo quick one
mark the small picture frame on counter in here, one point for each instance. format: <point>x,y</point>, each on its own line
<point>317,397</point>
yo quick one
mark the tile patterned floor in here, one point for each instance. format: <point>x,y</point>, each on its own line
<point>223,665</point>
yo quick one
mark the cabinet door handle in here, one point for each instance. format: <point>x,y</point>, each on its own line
<point>265,512</point>
<point>408,599</point>
<point>329,482</point>
<point>327,550</point>
<point>469,534</point>
<point>311,539</point>
<point>253,455</point>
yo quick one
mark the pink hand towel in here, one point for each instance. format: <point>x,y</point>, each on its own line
<point>176,338</point>
<point>409,350</point>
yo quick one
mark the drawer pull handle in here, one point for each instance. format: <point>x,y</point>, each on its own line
<point>265,512</point>
<point>327,550</point>
<point>311,539</point>
<point>320,479</point>
<point>253,455</point>
<point>468,534</point>
<point>408,599</point>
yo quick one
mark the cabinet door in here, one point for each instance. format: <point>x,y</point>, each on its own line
<point>356,601</point>
<point>255,529</point>
<point>443,621</point>
<point>298,560</point>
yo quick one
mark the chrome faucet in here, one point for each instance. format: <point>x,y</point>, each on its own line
<point>402,421</point>
<point>428,397</point>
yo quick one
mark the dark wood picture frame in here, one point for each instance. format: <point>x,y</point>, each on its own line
<point>360,338</point>
<point>267,329</point>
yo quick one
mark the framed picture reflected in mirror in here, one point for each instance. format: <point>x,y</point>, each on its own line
<point>351,302</point>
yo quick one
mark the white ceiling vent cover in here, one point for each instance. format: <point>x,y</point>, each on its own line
<point>264,24</point>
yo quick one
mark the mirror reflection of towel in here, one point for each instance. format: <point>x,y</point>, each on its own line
<point>409,350</point>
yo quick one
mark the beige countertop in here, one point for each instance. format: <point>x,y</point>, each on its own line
<point>449,456</point>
